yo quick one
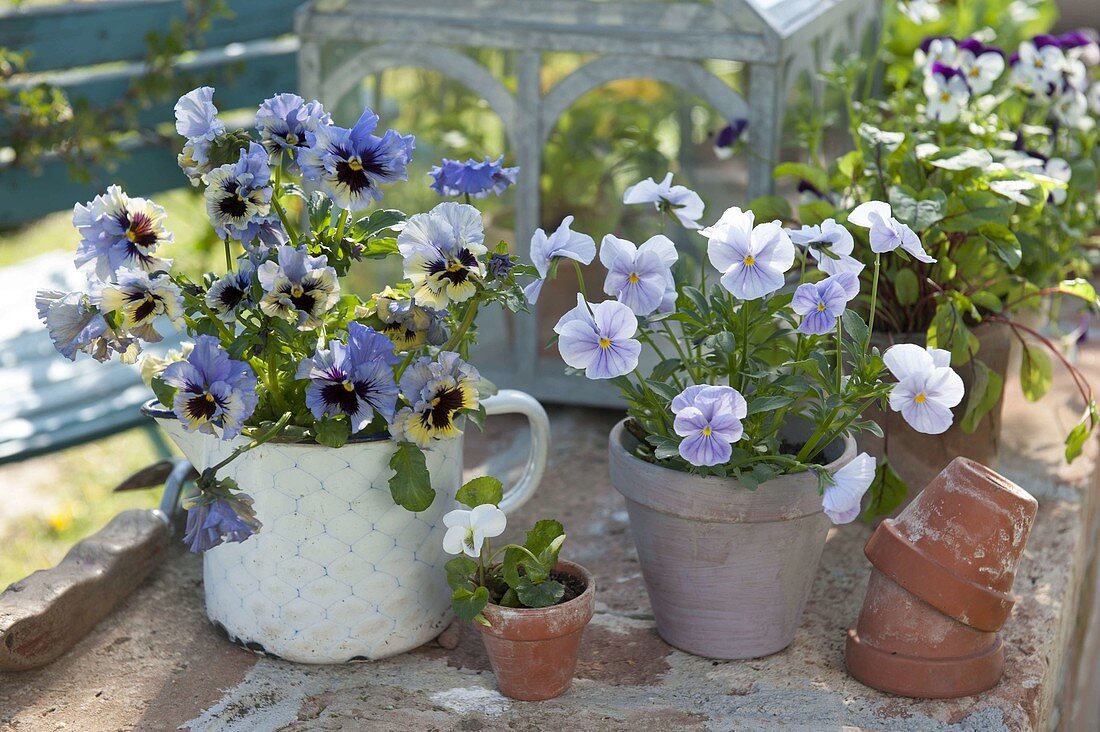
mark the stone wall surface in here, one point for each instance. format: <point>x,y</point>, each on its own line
<point>158,664</point>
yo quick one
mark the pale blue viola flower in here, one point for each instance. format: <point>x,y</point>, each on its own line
<point>353,164</point>
<point>830,244</point>
<point>438,390</point>
<point>684,203</point>
<point>238,197</point>
<point>842,499</point>
<point>473,178</point>
<point>119,231</point>
<point>210,523</point>
<point>752,260</point>
<point>708,418</point>
<point>599,339</point>
<point>214,393</point>
<point>886,232</point>
<point>197,121</point>
<point>139,298</point>
<point>927,389</point>
<point>728,137</point>
<point>298,287</point>
<point>947,93</point>
<point>638,277</point>
<point>442,250</point>
<point>231,293</point>
<point>821,303</point>
<point>76,326</point>
<point>355,380</point>
<point>285,120</point>
<point>564,243</point>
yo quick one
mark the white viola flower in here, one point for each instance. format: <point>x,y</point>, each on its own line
<point>920,11</point>
<point>752,260</point>
<point>828,238</point>
<point>1071,108</point>
<point>1059,170</point>
<point>886,232</point>
<point>683,202</point>
<point>842,499</point>
<point>638,277</point>
<point>947,93</point>
<point>927,389</point>
<point>468,530</point>
<point>1038,68</point>
<point>980,65</point>
<point>564,243</point>
<point>936,50</point>
<point>1075,75</point>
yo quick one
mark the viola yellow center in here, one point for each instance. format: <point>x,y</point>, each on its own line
<point>750,261</point>
<point>605,343</point>
<point>209,397</point>
<point>920,398</point>
<point>945,97</point>
<point>296,291</point>
<point>455,267</point>
<point>820,307</point>
<point>131,235</point>
<point>355,164</point>
<point>633,278</point>
<point>348,386</point>
<point>292,139</point>
<point>707,431</point>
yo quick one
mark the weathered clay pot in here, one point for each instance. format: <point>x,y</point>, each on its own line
<point>534,651</point>
<point>917,457</point>
<point>902,645</point>
<point>957,545</point>
<point>728,569</point>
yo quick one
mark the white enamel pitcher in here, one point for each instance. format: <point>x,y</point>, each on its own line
<point>339,572</point>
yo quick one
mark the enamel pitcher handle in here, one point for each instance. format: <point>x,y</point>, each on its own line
<point>510,401</point>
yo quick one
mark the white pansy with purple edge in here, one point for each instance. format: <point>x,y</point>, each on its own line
<point>638,277</point>
<point>1058,169</point>
<point>442,250</point>
<point>828,238</point>
<point>599,339</point>
<point>936,49</point>
<point>238,196</point>
<point>119,231</point>
<point>927,389</point>
<point>564,243</point>
<point>752,260</point>
<point>947,93</point>
<point>886,232</point>
<point>298,287</point>
<point>468,530</point>
<point>197,121</point>
<point>980,65</point>
<point>841,500</point>
<point>684,203</point>
<point>708,418</point>
<point>821,303</point>
<point>214,393</point>
<point>1038,69</point>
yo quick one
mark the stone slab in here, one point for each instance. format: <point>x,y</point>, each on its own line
<point>157,664</point>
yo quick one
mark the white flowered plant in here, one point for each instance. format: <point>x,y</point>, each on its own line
<point>280,350</point>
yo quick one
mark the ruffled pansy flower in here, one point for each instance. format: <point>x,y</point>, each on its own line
<point>727,138</point>
<point>355,380</point>
<point>119,231</point>
<point>408,324</point>
<point>231,293</point>
<point>214,393</point>
<point>140,298</point>
<point>238,196</point>
<point>213,522</point>
<point>830,244</point>
<point>638,277</point>
<point>752,260</point>
<point>599,339</point>
<point>842,499</point>
<point>76,326</point>
<point>285,120</point>
<point>927,389</point>
<point>821,303</point>
<point>298,287</point>
<point>442,252</point>
<point>886,232</point>
<point>353,164</point>
<point>197,121</point>
<point>468,530</point>
<point>438,390</point>
<point>1081,44</point>
<point>1071,108</point>
<point>682,202</point>
<point>708,418</point>
<point>1037,66</point>
<point>474,178</point>
<point>947,92</point>
<point>564,243</point>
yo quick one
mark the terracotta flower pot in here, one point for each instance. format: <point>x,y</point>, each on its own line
<point>728,569</point>
<point>534,651</point>
<point>902,645</point>
<point>957,545</point>
<point>917,457</point>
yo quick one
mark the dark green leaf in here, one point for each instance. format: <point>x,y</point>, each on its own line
<point>768,208</point>
<point>985,390</point>
<point>541,594</point>
<point>906,286</point>
<point>460,572</point>
<point>485,489</point>
<point>468,605</point>
<point>542,535</point>
<point>165,394</point>
<point>768,404</point>
<point>886,493</point>
<point>333,432</point>
<point>854,325</point>
<point>411,486</point>
<point>1035,372</point>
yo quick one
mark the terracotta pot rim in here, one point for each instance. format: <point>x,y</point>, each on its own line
<point>534,615</point>
<point>718,500</point>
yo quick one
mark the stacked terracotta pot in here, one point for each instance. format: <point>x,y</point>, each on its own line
<point>941,586</point>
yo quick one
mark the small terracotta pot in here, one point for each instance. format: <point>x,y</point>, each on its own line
<point>958,544</point>
<point>902,645</point>
<point>534,651</point>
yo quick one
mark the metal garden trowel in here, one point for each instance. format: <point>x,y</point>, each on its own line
<point>45,614</point>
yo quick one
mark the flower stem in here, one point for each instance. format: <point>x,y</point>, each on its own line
<point>467,321</point>
<point>228,255</point>
<point>580,279</point>
<point>342,222</point>
<point>839,356</point>
<point>256,442</point>
<point>874,301</point>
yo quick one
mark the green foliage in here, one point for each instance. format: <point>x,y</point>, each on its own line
<point>1035,372</point>
<point>481,490</point>
<point>411,486</point>
<point>887,492</point>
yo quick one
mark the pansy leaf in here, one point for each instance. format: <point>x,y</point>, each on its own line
<point>886,493</point>
<point>481,490</point>
<point>767,208</point>
<point>1035,372</point>
<point>541,594</point>
<point>855,325</point>
<point>1079,288</point>
<point>460,572</point>
<point>333,432</point>
<point>468,605</point>
<point>767,404</point>
<point>814,213</point>
<point>906,287</point>
<point>919,210</point>
<point>1015,189</point>
<point>889,141</point>
<point>411,485</point>
<point>961,158</point>
<point>1075,441</point>
<point>165,394</point>
<point>985,389</point>
<point>801,171</point>
<point>542,535</point>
